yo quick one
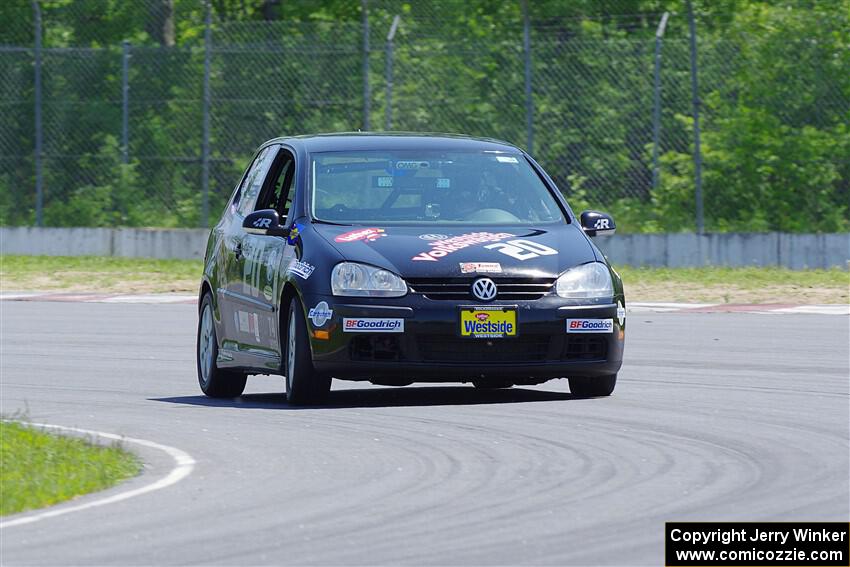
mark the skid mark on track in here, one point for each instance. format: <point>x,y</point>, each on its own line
<point>183,465</point>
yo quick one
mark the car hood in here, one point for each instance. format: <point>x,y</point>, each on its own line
<point>415,252</point>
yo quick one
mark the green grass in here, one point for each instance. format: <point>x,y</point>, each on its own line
<point>39,469</point>
<point>715,284</point>
<point>736,285</point>
<point>96,273</point>
<point>745,277</point>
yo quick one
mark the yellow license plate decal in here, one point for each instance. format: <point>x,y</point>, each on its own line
<point>488,323</point>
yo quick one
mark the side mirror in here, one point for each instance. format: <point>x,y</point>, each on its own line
<point>594,223</point>
<point>265,222</point>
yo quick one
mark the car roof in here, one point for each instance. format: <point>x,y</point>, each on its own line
<point>343,141</point>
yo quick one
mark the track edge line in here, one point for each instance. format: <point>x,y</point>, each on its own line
<point>184,464</point>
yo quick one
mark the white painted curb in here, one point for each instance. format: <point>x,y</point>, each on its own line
<point>184,464</point>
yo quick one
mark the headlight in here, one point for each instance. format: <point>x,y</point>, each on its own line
<point>588,281</point>
<point>352,279</point>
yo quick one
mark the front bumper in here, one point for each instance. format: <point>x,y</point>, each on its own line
<point>431,350</point>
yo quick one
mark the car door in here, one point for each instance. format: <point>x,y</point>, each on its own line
<point>237,325</point>
<point>264,257</point>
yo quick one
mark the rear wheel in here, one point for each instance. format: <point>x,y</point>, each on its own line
<point>303,384</point>
<point>214,382</point>
<point>592,387</point>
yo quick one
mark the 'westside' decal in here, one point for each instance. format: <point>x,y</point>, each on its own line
<point>441,248</point>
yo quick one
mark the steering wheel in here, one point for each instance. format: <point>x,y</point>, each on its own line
<point>338,209</point>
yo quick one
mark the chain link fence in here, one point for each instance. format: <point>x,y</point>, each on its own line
<point>124,138</point>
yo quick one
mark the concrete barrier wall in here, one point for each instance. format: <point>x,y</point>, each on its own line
<point>128,242</point>
<point>796,251</point>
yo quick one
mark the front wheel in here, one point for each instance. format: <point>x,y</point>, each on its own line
<point>214,382</point>
<point>593,387</point>
<point>303,384</point>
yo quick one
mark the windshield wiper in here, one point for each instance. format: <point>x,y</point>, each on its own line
<point>320,221</point>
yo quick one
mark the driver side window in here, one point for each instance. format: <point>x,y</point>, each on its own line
<point>254,181</point>
<point>279,187</point>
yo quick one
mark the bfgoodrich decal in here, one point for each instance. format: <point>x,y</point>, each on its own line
<point>373,325</point>
<point>590,325</point>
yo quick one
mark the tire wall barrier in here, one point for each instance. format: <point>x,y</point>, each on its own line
<point>795,251</point>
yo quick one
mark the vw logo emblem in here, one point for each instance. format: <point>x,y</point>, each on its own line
<point>484,289</point>
<point>433,236</point>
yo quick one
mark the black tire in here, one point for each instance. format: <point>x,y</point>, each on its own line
<point>214,382</point>
<point>303,384</point>
<point>593,387</point>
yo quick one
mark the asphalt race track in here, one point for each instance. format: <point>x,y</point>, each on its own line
<point>715,417</point>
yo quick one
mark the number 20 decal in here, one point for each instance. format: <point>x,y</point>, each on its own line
<point>522,249</point>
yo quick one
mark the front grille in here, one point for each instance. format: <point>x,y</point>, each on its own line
<point>439,348</point>
<point>459,288</point>
<point>375,348</point>
<point>584,348</point>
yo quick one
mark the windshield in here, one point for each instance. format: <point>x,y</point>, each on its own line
<point>406,187</point>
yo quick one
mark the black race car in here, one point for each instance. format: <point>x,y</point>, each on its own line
<point>403,257</point>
